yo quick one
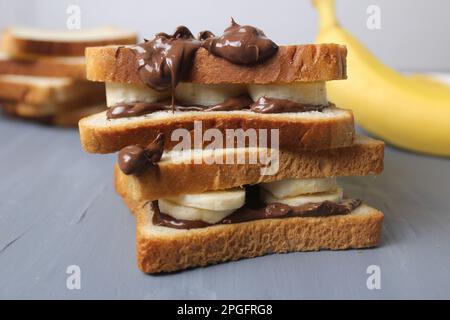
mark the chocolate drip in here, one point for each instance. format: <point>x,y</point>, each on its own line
<point>271,211</point>
<point>135,159</point>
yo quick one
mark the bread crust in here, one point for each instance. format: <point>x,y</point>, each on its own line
<point>180,249</point>
<point>294,134</point>
<point>19,47</point>
<point>310,62</point>
<point>363,158</point>
<point>44,68</point>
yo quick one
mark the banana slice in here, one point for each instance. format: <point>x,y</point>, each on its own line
<point>212,200</point>
<point>294,187</point>
<point>130,93</point>
<point>188,213</point>
<point>207,95</point>
<point>335,196</point>
<point>311,93</point>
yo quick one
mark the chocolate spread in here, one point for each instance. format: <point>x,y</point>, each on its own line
<point>242,102</point>
<point>240,44</point>
<point>135,159</point>
<point>138,109</point>
<point>271,105</point>
<point>270,211</point>
<point>167,59</point>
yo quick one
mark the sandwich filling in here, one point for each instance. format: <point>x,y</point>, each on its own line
<point>128,100</point>
<point>320,197</point>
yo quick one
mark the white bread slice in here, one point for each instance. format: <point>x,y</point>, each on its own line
<point>48,90</point>
<point>331,128</point>
<point>48,114</point>
<point>173,177</point>
<point>162,249</point>
<point>70,67</point>
<point>293,63</point>
<point>71,118</point>
<point>32,42</point>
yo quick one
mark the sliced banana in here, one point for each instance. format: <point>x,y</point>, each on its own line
<point>311,93</point>
<point>212,200</point>
<point>335,196</point>
<point>207,94</point>
<point>130,93</point>
<point>294,187</point>
<point>188,213</point>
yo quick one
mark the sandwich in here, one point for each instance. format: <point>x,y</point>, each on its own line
<point>228,147</point>
<point>43,73</point>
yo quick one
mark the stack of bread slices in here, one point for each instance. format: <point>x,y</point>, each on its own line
<point>193,207</point>
<point>43,77</point>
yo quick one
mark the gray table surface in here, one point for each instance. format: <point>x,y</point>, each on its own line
<point>58,208</point>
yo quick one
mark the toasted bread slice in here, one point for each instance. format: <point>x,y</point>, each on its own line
<point>331,128</point>
<point>48,90</point>
<point>33,42</point>
<point>312,62</point>
<point>162,249</point>
<point>70,67</point>
<point>175,176</point>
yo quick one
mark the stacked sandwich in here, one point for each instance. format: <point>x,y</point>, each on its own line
<point>228,147</point>
<point>42,73</point>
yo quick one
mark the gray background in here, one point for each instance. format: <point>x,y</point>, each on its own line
<point>58,206</point>
<point>414,34</point>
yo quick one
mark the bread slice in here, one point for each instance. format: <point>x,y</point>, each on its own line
<point>162,249</point>
<point>48,90</point>
<point>33,42</point>
<point>311,62</point>
<point>48,115</point>
<point>331,128</point>
<point>72,117</point>
<point>70,67</point>
<point>173,177</point>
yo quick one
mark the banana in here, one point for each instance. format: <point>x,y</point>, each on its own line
<point>207,94</point>
<point>130,93</point>
<point>406,112</point>
<point>335,196</point>
<point>294,187</point>
<point>188,213</point>
<point>311,93</point>
<point>212,200</point>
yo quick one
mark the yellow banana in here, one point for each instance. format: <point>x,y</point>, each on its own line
<point>407,112</point>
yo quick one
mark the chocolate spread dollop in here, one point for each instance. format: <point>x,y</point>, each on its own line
<point>135,159</point>
<point>240,44</point>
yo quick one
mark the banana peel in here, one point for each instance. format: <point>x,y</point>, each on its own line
<point>409,112</point>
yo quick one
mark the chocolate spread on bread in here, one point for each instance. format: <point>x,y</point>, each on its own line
<point>242,102</point>
<point>270,211</point>
<point>135,159</point>
<point>164,61</point>
<point>240,44</point>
